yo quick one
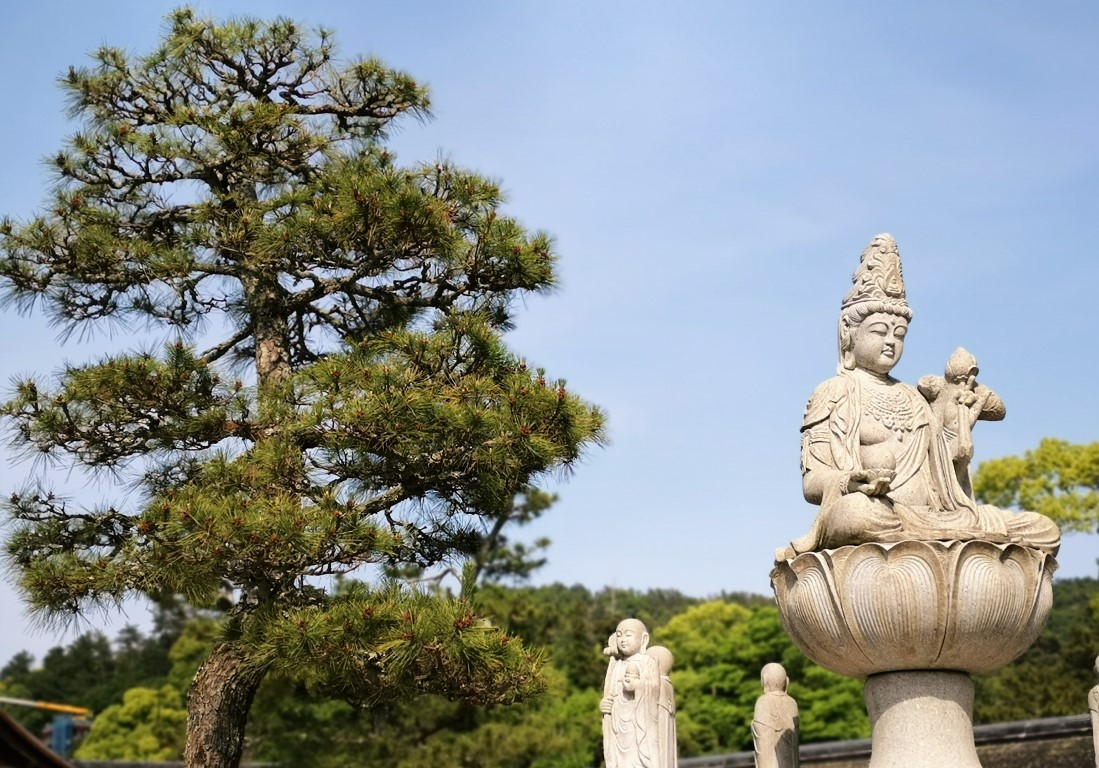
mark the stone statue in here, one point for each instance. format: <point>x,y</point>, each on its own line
<point>775,723</point>
<point>959,401</point>
<point>638,705</point>
<point>904,579</point>
<point>1093,707</point>
<point>668,740</point>
<point>875,455</point>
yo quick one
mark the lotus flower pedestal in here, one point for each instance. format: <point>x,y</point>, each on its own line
<point>916,618</point>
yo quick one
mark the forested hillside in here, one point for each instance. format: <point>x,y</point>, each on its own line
<point>136,684</point>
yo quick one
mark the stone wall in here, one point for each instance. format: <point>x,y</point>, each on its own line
<point>1055,742</point>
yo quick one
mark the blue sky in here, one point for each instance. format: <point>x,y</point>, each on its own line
<point>711,173</point>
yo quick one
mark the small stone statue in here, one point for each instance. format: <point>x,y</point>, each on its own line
<point>959,401</point>
<point>775,724</point>
<point>668,741</point>
<point>638,703</point>
<point>1093,707</point>
<point>875,456</point>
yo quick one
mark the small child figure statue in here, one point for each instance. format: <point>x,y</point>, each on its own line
<point>959,401</point>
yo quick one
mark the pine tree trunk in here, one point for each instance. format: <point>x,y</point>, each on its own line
<point>267,301</point>
<point>217,709</point>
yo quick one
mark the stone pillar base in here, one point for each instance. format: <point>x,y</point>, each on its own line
<point>921,719</point>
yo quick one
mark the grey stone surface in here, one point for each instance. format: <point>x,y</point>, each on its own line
<point>921,720</point>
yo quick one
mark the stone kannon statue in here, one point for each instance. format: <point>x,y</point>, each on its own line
<point>638,703</point>
<point>775,723</point>
<point>904,579</point>
<point>1093,708</point>
<point>882,462</point>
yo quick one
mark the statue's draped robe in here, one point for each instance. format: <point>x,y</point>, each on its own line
<point>925,500</point>
<point>775,731</point>
<point>1093,706</point>
<point>631,733</point>
<point>668,744</point>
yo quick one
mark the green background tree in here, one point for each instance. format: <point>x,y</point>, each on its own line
<point>148,726</point>
<point>1058,478</point>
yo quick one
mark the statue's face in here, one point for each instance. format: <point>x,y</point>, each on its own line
<point>878,342</point>
<point>630,636</point>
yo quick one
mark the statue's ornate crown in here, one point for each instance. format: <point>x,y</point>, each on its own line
<point>878,277</point>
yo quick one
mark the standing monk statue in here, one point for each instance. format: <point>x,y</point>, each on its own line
<point>635,724</point>
<point>669,744</point>
<point>775,723</point>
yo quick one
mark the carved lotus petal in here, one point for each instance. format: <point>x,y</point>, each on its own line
<point>814,614</point>
<point>970,606</point>
<point>892,600</point>
<point>1004,591</point>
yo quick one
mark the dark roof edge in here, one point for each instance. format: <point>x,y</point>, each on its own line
<point>23,742</point>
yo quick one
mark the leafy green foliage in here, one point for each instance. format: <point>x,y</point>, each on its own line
<point>147,726</point>
<point>572,623</point>
<point>719,648</point>
<point>89,672</point>
<point>191,648</point>
<point>558,732</point>
<point>31,719</point>
<point>378,646</point>
<point>568,626</point>
<point>1058,479</point>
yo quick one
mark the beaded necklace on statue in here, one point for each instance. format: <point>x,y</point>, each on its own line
<point>891,407</point>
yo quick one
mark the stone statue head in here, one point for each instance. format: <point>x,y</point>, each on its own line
<point>875,344</point>
<point>877,290</point>
<point>961,366</point>
<point>631,637</point>
<point>773,678</point>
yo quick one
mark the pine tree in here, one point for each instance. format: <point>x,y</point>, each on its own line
<point>358,407</point>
